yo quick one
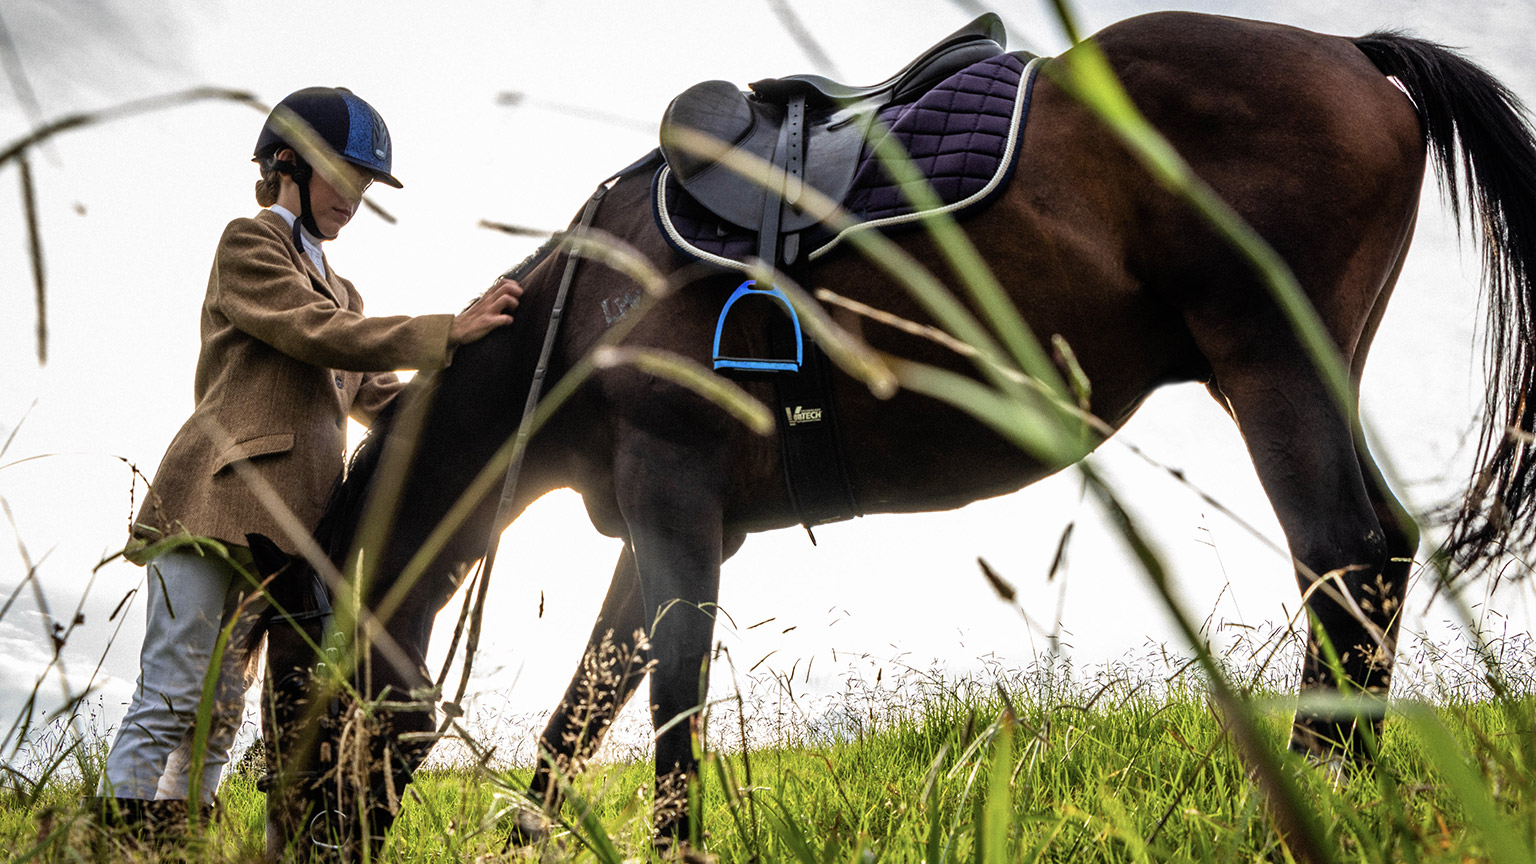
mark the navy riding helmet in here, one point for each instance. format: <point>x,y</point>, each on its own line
<point>349,125</point>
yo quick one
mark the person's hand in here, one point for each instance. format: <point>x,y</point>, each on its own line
<point>492,310</point>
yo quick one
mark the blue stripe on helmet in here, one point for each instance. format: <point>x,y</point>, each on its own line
<point>367,138</point>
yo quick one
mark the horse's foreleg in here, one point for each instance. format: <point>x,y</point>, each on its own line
<point>294,721</point>
<point>380,745</point>
<point>610,671</point>
<point>671,498</point>
<point>1348,552</point>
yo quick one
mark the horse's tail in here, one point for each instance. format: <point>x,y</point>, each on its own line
<point>1494,176</point>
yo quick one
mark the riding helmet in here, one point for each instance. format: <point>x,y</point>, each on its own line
<point>348,124</point>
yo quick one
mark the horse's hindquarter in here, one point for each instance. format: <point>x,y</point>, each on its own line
<point>1303,137</point>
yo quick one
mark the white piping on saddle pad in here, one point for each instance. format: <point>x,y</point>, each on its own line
<point>1014,127</point>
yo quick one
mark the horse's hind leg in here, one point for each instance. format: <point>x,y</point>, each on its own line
<point>1342,529</point>
<point>1381,599</point>
<point>1369,667</point>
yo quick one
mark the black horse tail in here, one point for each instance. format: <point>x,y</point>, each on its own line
<point>1493,174</point>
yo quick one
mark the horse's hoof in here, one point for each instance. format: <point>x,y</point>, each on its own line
<point>530,827</point>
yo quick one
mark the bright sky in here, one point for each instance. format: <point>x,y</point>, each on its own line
<point>131,211</point>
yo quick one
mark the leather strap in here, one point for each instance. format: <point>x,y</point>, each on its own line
<point>535,391</point>
<point>773,198</point>
<point>515,467</point>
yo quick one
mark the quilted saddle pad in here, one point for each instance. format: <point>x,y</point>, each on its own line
<point>963,135</point>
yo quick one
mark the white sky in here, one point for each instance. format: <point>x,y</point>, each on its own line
<point>131,212</point>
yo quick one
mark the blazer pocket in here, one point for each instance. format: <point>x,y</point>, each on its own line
<point>251,448</point>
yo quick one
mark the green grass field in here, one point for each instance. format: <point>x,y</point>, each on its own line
<point>981,773</point>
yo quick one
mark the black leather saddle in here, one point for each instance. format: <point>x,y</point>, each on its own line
<point>810,128</point>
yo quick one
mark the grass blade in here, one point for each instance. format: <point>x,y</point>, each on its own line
<point>1505,842</point>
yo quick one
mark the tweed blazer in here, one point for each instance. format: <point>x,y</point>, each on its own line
<point>286,356</point>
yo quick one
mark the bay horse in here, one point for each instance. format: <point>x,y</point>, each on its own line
<point>1305,135</point>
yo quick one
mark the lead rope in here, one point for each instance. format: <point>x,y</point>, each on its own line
<point>514,468</point>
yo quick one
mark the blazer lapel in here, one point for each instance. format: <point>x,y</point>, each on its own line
<point>337,292</point>
<point>317,279</point>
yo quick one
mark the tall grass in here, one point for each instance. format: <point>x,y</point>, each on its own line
<point>1040,764</point>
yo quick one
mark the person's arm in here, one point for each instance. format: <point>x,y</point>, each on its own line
<point>257,286</point>
<point>489,311</point>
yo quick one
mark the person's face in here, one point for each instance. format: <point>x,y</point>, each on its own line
<point>332,208</point>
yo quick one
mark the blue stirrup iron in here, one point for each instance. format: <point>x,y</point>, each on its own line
<point>753,365</point>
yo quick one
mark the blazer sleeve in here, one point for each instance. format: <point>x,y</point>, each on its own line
<point>258,287</point>
<point>377,391</point>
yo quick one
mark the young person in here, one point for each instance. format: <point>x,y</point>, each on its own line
<point>287,355</point>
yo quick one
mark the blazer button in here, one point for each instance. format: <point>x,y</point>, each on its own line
<point>339,384</point>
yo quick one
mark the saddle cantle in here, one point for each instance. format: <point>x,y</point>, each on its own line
<point>812,128</point>
<point>982,38</point>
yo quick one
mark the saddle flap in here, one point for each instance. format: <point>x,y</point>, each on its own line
<point>750,126</point>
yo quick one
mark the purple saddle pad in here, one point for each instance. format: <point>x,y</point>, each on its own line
<point>963,135</point>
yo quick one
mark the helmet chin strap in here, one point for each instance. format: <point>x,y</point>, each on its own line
<point>301,172</point>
